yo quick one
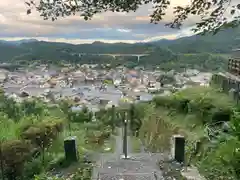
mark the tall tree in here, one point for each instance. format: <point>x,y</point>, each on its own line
<point>214,14</point>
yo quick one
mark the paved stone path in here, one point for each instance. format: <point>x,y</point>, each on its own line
<point>140,166</point>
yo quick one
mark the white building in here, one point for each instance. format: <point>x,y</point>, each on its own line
<point>3,75</point>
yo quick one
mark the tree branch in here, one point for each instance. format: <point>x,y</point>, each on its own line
<point>213,13</point>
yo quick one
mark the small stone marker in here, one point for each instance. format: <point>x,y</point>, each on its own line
<point>70,149</point>
<point>178,148</point>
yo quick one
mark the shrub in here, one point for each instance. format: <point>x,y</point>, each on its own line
<point>58,161</point>
<point>164,101</point>
<point>82,116</point>
<point>210,105</point>
<point>32,168</point>
<point>222,163</point>
<point>221,115</point>
<point>14,155</point>
<point>42,134</point>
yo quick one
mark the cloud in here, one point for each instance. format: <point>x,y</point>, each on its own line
<point>111,27</point>
<point>124,30</point>
<point>72,41</point>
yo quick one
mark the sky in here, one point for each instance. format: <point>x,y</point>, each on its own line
<point>108,27</point>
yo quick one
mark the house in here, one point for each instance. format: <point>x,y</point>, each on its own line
<point>89,79</point>
<point>3,75</point>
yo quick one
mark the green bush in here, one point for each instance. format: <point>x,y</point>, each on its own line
<point>222,163</point>
<point>14,155</point>
<point>81,116</point>
<point>164,101</point>
<point>33,167</point>
<point>58,161</point>
<point>222,115</point>
<point>210,105</point>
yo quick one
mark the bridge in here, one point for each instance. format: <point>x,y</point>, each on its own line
<point>112,55</point>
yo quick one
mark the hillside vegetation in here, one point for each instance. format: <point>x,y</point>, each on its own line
<point>200,114</point>
<point>223,42</point>
<point>32,136</point>
<point>202,52</point>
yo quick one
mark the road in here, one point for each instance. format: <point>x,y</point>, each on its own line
<point>141,166</point>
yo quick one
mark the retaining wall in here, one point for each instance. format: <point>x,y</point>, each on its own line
<point>228,83</point>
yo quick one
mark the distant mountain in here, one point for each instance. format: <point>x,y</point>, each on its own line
<point>203,53</point>
<point>162,50</point>
<point>223,42</point>
<point>19,42</point>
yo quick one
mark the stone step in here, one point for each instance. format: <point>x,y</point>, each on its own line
<point>192,173</point>
<point>127,176</point>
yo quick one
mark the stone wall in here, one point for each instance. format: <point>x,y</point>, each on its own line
<point>228,84</point>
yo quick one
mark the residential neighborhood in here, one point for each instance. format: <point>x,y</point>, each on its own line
<point>96,88</point>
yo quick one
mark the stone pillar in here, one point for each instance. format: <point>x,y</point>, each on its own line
<point>231,93</point>
<point>237,92</point>
<point>70,148</point>
<point>214,79</point>
<point>221,79</point>
<point>236,96</point>
<point>178,148</point>
<point>232,84</point>
<point>225,85</point>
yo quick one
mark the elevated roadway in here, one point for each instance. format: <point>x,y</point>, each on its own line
<point>115,55</point>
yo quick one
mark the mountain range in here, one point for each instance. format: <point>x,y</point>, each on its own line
<point>18,42</point>
<point>32,49</point>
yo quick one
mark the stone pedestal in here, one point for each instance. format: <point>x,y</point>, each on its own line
<point>70,148</point>
<point>178,148</point>
<point>125,157</point>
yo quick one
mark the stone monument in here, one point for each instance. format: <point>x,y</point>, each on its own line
<point>178,148</point>
<point>70,148</point>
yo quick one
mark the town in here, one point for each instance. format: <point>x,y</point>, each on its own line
<point>96,88</point>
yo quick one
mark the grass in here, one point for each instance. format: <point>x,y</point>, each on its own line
<point>79,131</point>
<point>109,145</point>
<point>189,124</point>
<point>135,144</point>
<point>160,127</point>
<point>161,122</point>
